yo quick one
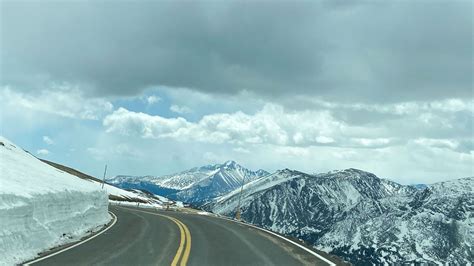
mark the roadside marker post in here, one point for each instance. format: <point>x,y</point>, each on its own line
<point>237,214</point>
<point>103,179</point>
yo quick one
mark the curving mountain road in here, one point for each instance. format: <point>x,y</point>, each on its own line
<point>150,237</point>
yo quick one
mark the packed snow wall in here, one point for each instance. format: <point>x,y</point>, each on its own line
<point>42,207</point>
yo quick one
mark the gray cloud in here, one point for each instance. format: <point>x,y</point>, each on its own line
<point>341,52</point>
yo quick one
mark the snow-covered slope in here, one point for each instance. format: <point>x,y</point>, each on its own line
<point>225,178</point>
<point>115,193</point>
<point>362,218</point>
<point>197,185</point>
<point>118,194</point>
<point>178,181</point>
<point>228,202</point>
<point>41,206</point>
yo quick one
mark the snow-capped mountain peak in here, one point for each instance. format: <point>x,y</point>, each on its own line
<point>261,172</point>
<point>360,217</point>
<point>230,163</point>
<point>197,184</point>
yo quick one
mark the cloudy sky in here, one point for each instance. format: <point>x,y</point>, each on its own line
<point>158,87</point>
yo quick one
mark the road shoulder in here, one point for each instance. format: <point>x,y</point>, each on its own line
<point>62,248</point>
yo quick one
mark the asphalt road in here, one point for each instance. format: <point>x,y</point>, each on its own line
<point>150,237</point>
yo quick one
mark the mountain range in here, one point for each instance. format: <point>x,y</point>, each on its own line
<point>349,213</point>
<point>197,186</point>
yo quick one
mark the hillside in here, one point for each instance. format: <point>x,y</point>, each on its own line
<point>115,193</point>
<point>71,171</point>
<point>38,202</point>
<point>197,185</point>
<point>362,218</point>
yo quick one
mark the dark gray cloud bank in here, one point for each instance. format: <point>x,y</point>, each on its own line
<point>375,52</point>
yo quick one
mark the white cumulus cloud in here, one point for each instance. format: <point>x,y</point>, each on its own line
<point>290,132</point>
<point>48,140</point>
<point>134,123</point>
<point>42,152</point>
<point>62,100</point>
<point>271,125</point>
<point>180,109</point>
<point>152,99</point>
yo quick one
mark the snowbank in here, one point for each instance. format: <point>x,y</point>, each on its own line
<point>41,206</point>
<point>137,204</point>
<point>132,195</point>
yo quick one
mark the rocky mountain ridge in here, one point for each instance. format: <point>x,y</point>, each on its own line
<point>197,185</point>
<point>362,218</point>
<point>350,213</point>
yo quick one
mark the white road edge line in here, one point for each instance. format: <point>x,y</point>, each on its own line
<point>286,239</point>
<point>77,244</point>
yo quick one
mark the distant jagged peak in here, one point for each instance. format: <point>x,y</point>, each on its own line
<point>208,167</point>
<point>459,185</point>
<point>227,164</point>
<point>348,173</point>
<point>290,172</point>
<point>285,171</point>
<point>356,172</point>
<point>261,173</point>
<point>230,163</point>
<point>233,165</point>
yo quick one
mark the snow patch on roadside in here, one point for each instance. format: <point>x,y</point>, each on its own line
<point>42,207</point>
